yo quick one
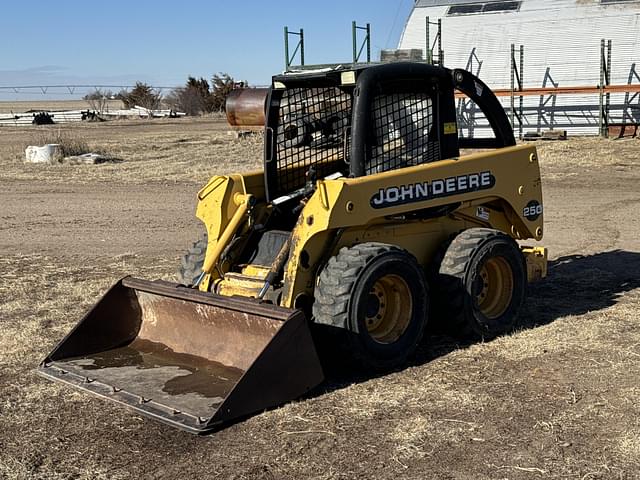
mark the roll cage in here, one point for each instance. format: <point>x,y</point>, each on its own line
<point>367,119</point>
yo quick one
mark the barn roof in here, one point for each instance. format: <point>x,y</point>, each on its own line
<point>440,3</point>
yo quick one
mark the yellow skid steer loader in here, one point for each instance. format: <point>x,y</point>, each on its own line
<point>364,223</point>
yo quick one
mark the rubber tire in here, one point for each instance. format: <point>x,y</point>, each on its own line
<point>340,298</point>
<point>455,269</point>
<point>192,262</point>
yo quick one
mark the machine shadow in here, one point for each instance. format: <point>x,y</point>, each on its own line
<point>576,284</point>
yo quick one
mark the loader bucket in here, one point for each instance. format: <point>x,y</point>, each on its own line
<point>190,359</point>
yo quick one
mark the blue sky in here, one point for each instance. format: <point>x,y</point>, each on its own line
<point>115,42</point>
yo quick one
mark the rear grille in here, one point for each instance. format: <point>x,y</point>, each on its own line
<point>405,132</point>
<point>311,133</point>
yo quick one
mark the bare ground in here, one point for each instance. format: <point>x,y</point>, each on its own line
<point>558,399</point>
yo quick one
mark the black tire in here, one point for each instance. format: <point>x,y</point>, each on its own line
<point>374,297</point>
<point>192,262</point>
<point>479,283</point>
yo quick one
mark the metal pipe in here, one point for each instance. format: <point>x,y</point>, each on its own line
<point>286,48</point>
<point>575,90</point>
<point>354,41</point>
<point>428,56</point>
<point>276,267</point>
<point>368,43</point>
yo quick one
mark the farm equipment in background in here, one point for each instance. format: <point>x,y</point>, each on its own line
<point>364,223</point>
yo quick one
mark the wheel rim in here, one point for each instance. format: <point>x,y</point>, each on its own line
<point>388,309</point>
<point>494,287</point>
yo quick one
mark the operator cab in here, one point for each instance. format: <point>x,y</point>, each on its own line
<point>367,119</point>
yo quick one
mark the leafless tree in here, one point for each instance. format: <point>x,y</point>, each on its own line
<point>98,100</point>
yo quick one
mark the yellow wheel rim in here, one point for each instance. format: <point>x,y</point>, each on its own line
<point>388,309</point>
<point>495,287</point>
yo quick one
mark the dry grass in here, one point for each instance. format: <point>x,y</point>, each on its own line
<point>576,156</point>
<point>630,444</point>
<point>558,399</point>
<point>42,299</point>
<point>184,150</point>
<point>592,328</point>
<point>59,285</point>
<point>24,106</point>
<point>68,143</point>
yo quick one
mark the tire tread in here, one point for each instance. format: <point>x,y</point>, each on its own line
<point>192,261</point>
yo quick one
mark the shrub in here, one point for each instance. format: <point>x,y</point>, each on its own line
<point>193,99</point>
<point>142,95</point>
<point>69,144</point>
<point>222,84</point>
<point>198,96</point>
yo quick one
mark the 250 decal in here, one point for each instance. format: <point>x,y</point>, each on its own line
<point>532,211</point>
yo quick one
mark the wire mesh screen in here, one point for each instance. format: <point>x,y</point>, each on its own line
<point>405,132</point>
<point>312,132</point>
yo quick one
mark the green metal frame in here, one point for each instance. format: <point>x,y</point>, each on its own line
<point>366,42</point>
<point>288,59</point>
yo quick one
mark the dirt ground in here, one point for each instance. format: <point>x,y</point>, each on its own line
<point>558,399</point>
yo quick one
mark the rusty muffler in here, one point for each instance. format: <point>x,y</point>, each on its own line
<point>245,109</point>
<point>190,359</point>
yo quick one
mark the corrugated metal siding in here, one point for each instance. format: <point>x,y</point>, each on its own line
<point>562,47</point>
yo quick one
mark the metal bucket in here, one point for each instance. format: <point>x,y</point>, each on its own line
<point>187,358</point>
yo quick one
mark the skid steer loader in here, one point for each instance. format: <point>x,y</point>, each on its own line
<point>364,222</point>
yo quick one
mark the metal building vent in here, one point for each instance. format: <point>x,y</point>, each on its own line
<point>487,7</point>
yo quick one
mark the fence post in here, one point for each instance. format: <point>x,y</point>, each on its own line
<point>354,40</point>
<point>608,95</point>
<point>601,87</point>
<point>513,84</point>
<point>521,77</point>
<point>440,51</point>
<point>286,48</point>
<point>428,55</point>
<point>368,43</point>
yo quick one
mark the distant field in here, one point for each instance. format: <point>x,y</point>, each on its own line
<point>160,150</point>
<point>24,106</point>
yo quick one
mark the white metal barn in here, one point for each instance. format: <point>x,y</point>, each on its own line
<point>562,48</point>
